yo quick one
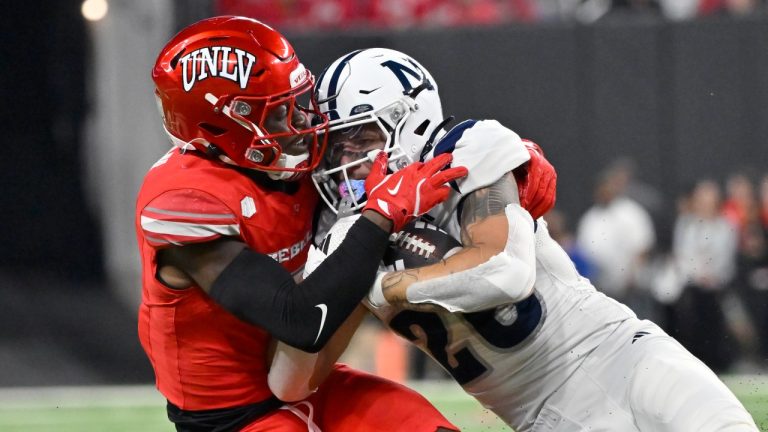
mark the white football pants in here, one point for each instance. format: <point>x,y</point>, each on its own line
<point>641,379</point>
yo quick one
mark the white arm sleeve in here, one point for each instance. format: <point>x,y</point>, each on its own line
<point>290,373</point>
<point>507,277</point>
<point>291,368</point>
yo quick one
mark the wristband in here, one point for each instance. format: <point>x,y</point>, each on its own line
<point>376,295</point>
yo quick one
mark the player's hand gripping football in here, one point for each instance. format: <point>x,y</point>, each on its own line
<point>410,192</point>
<point>536,182</point>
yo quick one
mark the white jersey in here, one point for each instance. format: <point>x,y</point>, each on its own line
<point>513,357</point>
<point>519,360</point>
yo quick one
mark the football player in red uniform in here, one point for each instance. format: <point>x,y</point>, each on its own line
<point>224,220</point>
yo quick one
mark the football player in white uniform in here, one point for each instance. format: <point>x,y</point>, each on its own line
<point>507,315</point>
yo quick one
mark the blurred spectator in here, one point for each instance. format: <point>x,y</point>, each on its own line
<point>521,10</point>
<point>278,13</point>
<point>624,169</point>
<point>752,284</point>
<point>688,9</point>
<point>449,13</point>
<point>334,14</point>
<point>463,12</point>
<point>616,234</point>
<point>561,233</point>
<point>585,11</point>
<point>306,15</point>
<point>704,246</point>
<point>727,7</point>
<point>312,15</point>
<point>679,10</point>
<point>396,13</point>
<point>297,15</point>
<point>740,206</point>
<point>747,214</point>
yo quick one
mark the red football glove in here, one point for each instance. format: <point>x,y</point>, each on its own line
<point>410,192</point>
<point>536,182</point>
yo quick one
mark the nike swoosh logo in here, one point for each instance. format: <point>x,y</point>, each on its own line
<point>324,310</point>
<point>396,188</point>
<point>365,92</point>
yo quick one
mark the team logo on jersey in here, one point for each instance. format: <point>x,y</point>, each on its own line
<point>291,252</point>
<point>638,335</point>
<point>225,62</point>
<point>247,207</point>
<point>506,315</point>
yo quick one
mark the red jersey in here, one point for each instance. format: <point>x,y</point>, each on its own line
<point>203,356</point>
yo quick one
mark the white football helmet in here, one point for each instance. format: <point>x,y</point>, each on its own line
<point>384,87</point>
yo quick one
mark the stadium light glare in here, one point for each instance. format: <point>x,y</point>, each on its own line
<point>94,10</point>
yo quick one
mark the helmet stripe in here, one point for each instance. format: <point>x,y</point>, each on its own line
<point>448,143</point>
<point>319,82</point>
<point>335,79</point>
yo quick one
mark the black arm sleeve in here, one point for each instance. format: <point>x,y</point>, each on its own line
<point>259,291</point>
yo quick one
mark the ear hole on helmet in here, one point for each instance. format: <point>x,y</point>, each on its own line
<point>175,59</point>
<point>211,129</point>
<point>422,128</point>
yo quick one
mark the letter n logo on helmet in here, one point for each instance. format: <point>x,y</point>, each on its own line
<point>400,70</point>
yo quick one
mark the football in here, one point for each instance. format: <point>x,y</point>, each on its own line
<point>418,244</point>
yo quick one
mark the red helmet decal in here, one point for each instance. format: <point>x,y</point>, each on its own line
<point>225,62</point>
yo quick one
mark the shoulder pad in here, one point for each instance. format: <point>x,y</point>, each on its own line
<point>187,216</point>
<point>448,142</point>
<point>488,150</point>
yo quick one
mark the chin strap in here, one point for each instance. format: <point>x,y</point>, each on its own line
<point>288,161</point>
<point>210,149</point>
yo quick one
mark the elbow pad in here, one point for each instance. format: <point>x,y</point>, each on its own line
<point>507,277</point>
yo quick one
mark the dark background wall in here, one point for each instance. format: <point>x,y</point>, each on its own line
<point>685,101</point>
<point>59,322</point>
<point>45,222</point>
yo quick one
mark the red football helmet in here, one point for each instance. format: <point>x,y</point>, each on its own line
<point>218,80</point>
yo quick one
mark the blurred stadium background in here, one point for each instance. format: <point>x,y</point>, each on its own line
<point>662,102</point>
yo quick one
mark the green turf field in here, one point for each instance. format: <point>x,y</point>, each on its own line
<point>140,409</point>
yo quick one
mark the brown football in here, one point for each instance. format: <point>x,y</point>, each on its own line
<point>418,244</point>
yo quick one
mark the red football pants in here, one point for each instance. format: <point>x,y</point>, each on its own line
<point>354,401</point>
